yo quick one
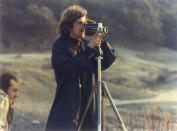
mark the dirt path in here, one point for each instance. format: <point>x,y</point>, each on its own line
<point>162,97</point>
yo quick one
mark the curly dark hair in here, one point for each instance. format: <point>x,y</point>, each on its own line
<point>5,80</point>
<point>68,17</point>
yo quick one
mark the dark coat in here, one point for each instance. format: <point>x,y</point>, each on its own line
<point>74,66</point>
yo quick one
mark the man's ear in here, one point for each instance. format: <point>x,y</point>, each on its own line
<point>89,21</point>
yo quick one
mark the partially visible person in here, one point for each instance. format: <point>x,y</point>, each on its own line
<point>9,87</point>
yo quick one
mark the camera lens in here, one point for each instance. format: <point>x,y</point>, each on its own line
<point>105,30</point>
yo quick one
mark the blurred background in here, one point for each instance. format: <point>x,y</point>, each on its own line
<point>142,80</point>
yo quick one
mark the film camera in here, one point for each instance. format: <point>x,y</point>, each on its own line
<point>90,29</point>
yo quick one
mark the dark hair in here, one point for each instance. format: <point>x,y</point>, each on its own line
<point>68,17</point>
<point>5,81</point>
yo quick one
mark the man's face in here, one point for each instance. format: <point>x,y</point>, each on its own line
<point>13,90</point>
<point>78,30</point>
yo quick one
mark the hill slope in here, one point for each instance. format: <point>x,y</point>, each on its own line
<point>138,80</point>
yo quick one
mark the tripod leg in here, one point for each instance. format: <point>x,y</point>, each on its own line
<point>102,111</point>
<point>113,106</point>
<point>86,109</point>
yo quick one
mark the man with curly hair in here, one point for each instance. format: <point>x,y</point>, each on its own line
<point>75,68</point>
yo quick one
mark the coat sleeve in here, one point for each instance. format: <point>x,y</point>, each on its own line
<point>4,106</point>
<point>108,55</point>
<point>65,64</point>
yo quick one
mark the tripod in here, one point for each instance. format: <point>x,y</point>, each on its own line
<point>101,86</point>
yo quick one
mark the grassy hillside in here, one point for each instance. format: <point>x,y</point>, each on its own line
<point>143,85</point>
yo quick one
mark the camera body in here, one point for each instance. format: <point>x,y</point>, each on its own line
<point>90,29</point>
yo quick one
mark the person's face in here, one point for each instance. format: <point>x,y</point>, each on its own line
<point>13,90</point>
<point>78,30</point>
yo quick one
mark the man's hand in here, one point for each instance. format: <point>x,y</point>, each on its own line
<point>89,21</point>
<point>95,40</point>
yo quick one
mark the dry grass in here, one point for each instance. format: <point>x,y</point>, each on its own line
<point>149,119</point>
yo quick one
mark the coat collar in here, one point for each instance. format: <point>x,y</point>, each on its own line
<point>3,93</point>
<point>71,44</point>
<point>70,40</point>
